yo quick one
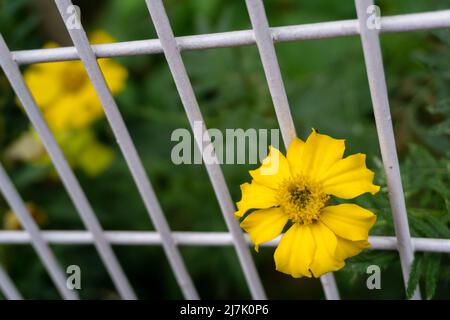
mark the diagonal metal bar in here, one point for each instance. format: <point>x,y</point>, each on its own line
<point>378,90</point>
<point>7,286</point>
<point>39,244</point>
<point>186,92</point>
<point>68,178</point>
<point>126,144</point>
<point>312,31</point>
<point>272,71</point>
<point>266,48</point>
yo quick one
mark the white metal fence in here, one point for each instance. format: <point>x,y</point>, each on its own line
<point>264,37</point>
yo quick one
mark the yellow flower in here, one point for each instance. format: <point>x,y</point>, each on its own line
<point>295,191</point>
<point>64,92</point>
<point>69,103</point>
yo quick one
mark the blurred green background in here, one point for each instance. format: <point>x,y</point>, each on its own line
<point>327,89</point>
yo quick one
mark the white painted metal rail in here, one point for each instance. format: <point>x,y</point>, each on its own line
<point>185,238</point>
<point>264,37</point>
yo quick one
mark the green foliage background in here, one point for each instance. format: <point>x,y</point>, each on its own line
<point>327,89</point>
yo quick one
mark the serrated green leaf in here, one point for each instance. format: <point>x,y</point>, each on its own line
<point>414,276</point>
<point>359,264</point>
<point>433,262</point>
<point>441,229</point>
<point>422,228</point>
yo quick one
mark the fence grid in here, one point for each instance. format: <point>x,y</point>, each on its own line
<point>264,37</point>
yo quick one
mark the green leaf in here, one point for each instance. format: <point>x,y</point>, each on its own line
<point>414,276</point>
<point>433,263</point>
<point>359,264</point>
<point>441,128</point>
<point>422,228</point>
<point>442,106</point>
<point>439,227</point>
<point>31,174</point>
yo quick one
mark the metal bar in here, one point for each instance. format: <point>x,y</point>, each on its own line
<point>272,71</point>
<point>377,83</point>
<point>43,250</point>
<point>128,149</point>
<point>7,286</point>
<point>186,92</point>
<point>185,238</point>
<point>68,178</point>
<point>320,30</point>
<point>330,287</point>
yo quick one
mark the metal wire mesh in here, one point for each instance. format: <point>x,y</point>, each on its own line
<point>264,37</point>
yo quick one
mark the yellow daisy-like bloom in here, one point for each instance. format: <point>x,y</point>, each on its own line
<point>295,191</point>
<point>69,104</point>
<point>64,92</point>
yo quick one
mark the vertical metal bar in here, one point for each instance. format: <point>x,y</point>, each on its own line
<point>126,144</point>
<point>377,83</point>
<point>330,287</point>
<point>186,92</point>
<point>39,244</point>
<point>272,71</point>
<point>68,178</point>
<point>7,286</point>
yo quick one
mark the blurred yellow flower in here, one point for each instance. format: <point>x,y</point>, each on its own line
<point>69,104</point>
<point>80,148</point>
<point>11,222</point>
<point>297,194</point>
<point>64,92</point>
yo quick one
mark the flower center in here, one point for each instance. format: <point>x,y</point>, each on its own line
<point>302,199</point>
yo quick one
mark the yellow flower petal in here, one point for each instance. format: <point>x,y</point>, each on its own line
<point>50,45</point>
<point>100,36</point>
<point>115,75</point>
<point>95,158</point>
<point>60,115</point>
<point>349,178</point>
<point>295,251</point>
<point>317,155</point>
<point>264,225</point>
<point>273,171</point>
<point>346,248</point>
<point>40,78</point>
<point>294,153</point>
<point>64,93</point>
<point>255,196</point>
<point>348,221</point>
<point>324,258</point>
